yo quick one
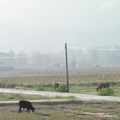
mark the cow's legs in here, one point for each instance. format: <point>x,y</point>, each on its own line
<point>20,109</point>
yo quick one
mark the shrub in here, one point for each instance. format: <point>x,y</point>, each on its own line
<point>10,85</point>
<point>29,86</point>
<point>2,85</point>
<point>40,88</point>
<point>106,91</point>
<point>7,85</point>
<point>62,88</point>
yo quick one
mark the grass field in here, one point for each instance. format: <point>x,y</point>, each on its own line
<point>83,80</point>
<point>17,97</point>
<point>72,110</point>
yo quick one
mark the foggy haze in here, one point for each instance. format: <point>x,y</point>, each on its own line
<point>46,25</point>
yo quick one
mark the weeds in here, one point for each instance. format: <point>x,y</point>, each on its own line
<point>61,88</point>
<point>106,91</point>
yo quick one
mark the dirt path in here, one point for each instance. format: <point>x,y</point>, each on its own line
<point>50,94</point>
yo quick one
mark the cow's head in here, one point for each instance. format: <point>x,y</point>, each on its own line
<point>33,109</point>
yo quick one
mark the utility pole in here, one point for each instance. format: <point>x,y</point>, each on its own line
<point>67,76</point>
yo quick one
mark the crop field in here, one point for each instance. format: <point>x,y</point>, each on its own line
<point>72,110</point>
<point>83,80</point>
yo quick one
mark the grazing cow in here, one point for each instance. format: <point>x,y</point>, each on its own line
<point>102,85</point>
<point>26,104</point>
<point>55,85</point>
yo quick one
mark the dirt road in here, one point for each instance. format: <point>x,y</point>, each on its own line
<point>51,101</point>
<point>46,93</point>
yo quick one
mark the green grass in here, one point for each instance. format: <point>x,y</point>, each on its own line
<point>83,89</point>
<point>73,110</point>
<point>8,97</point>
<point>12,97</point>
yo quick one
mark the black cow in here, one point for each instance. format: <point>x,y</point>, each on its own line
<point>26,104</point>
<point>102,85</point>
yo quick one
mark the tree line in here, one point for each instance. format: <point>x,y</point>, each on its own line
<point>76,58</point>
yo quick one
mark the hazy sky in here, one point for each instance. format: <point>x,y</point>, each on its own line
<point>46,25</point>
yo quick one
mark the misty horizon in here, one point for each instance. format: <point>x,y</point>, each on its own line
<point>45,26</point>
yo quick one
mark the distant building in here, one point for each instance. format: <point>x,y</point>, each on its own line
<point>7,61</point>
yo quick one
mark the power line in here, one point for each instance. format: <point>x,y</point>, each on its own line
<point>102,49</point>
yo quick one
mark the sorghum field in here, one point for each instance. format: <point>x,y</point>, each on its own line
<point>82,80</point>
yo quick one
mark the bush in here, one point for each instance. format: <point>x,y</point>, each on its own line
<point>106,91</point>
<point>7,85</point>
<point>62,88</point>
<point>40,88</point>
<point>29,86</point>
